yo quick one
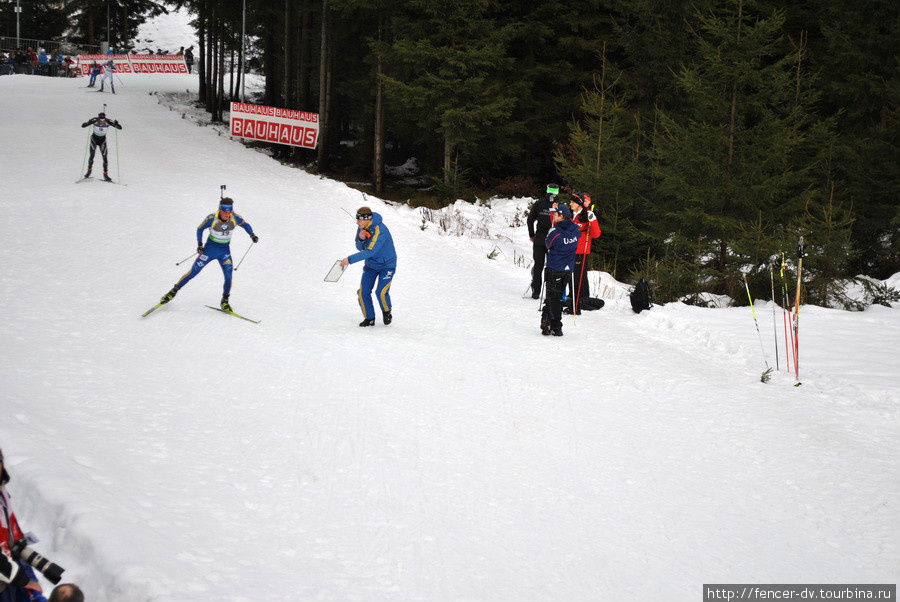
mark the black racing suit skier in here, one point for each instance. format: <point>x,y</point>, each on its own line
<point>98,138</point>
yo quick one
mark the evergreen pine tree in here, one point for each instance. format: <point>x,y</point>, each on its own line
<point>734,156</point>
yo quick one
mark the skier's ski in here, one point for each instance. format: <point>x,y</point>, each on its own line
<point>231,313</point>
<point>151,310</point>
<point>80,180</point>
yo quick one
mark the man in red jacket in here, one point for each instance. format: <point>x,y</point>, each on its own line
<point>589,227</point>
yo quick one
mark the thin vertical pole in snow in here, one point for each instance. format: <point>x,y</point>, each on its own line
<point>87,143</point>
<point>243,38</point>
<point>118,165</point>
<point>753,311</point>
<point>572,288</point>
<point>774,320</point>
<point>800,249</point>
<point>785,310</point>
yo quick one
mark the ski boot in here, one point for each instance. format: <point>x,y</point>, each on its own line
<point>545,329</point>
<point>169,296</point>
<point>106,177</point>
<point>368,322</point>
<point>224,304</point>
<point>557,332</point>
<point>88,174</point>
<point>387,317</point>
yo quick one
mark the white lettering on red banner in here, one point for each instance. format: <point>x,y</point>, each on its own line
<point>133,63</point>
<point>273,124</point>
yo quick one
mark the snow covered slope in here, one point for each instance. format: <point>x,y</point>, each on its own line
<point>168,32</point>
<point>454,455</point>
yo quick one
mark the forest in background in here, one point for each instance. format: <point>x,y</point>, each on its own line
<point>711,134</point>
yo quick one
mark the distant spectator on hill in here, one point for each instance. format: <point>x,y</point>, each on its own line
<point>66,592</point>
<point>189,58</point>
<point>32,61</point>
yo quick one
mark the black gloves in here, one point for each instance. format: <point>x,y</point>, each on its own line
<point>200,249</point>
<point>254,238</point>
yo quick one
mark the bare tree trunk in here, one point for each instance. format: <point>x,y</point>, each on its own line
<point>210,54</point>
<point>220,97</point>
<point>287,51</point>
<point>602,102</point>
<point>304,33</point>
<point>800,48</point>
<point>448,157</point>
<point>637,143</point>
<point>91,33</point>
<point>323,89</point>
<point>231,77</point>
<point>731,125</point>
<point>214,61</point>
<point>378,154</point>
<point>201,63</point>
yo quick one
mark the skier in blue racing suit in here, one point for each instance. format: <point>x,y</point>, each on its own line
<point>221,225</point>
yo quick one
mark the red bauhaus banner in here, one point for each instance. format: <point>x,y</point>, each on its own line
<point>85,61</point>
<point>157,63</point>
<point>134,63</point>
<point>272,124</point>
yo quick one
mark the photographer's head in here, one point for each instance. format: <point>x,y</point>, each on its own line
<point>66,592</point>
<point>364,217</point>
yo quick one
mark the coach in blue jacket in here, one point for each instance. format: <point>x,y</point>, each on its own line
<point>374,245</point>
<point>562,242</point>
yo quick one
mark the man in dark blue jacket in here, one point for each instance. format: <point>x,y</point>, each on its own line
<point>376,247</point>
<point>562,242</point>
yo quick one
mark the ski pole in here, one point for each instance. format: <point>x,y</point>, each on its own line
<point>186,258</point>
<point>774,320</point>
<point>572,289</point>
<point>581,277</point>
<point>118,165</point>
<point>785,311</point>
<point>87,144</point>
<point>753,311</point>
<point>800,248</point>
<point>543,289</point>
<point>242,258</point>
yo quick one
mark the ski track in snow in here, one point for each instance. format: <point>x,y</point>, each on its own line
<point>455,455</point>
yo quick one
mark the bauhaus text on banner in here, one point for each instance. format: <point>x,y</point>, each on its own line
<point>133,63</point>
<point>273,124</point>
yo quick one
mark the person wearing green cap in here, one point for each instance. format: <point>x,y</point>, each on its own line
<point>538,226</point>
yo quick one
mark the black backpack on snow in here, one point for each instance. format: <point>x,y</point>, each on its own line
<point>590,303</point>
<point>641,298</point>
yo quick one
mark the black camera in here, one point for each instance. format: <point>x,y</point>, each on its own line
<point>53,572</point>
